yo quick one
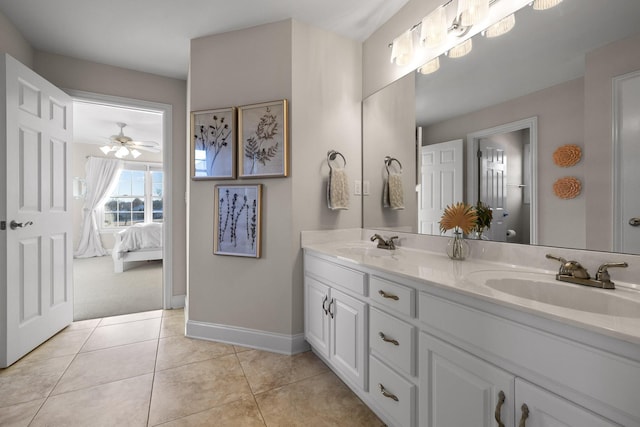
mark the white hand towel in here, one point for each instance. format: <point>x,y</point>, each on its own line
<point>396,195</point>
<point>338,189</point>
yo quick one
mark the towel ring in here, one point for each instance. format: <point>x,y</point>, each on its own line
<point>332,154</point>
<point>388,160</point>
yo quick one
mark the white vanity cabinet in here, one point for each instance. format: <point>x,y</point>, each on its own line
<point>335,322</point>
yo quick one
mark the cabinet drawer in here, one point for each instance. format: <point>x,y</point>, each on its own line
<point>393,295</point>
<point>335,274</point>
<point>393,340</point>
<point>392,393</point>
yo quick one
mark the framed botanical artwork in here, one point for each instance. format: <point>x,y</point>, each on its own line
<point>264,140</point>
<point>213,144</point>
<point>237,227</point>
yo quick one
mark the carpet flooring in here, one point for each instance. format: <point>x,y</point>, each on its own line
<point>99,292</point>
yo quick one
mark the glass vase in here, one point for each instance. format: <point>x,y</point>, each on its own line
<point>457,247</point>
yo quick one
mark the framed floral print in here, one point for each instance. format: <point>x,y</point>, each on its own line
<point>237,227</point>
<point>213,144</point>
<point>264,138</point>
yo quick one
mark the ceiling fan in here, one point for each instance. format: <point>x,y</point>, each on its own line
<point>122,145</point>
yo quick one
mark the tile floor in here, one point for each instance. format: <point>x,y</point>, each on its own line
<point>140,370</point>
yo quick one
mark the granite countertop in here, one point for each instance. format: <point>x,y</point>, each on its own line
<point>427,269</point>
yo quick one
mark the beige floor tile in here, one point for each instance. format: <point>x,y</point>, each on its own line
<point>83,324</point>
<point>124,318</point>
<point>108,365</point>
<point>193,388</point>
<point>322,400</point>
<point>179,350</point>
<point>243,413</point>
<point>122,334</point>
<point>26,381</point>
<point>19,415</point>
<point>64,343</point>
<point>172,325</point>
<point>120,403</point>
<point>266,371</point>
<point>174,312</point>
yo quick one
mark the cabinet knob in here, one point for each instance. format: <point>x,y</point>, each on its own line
<point>498,414</point>
<point>525,415</point>
<point>390,296</point>
<point>389,340</point>
<point>385,393</point>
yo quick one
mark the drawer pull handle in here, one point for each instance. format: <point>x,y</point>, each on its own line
<point>389,340</point>
<point>525,415</point>
<point>331,313</point>
<point>324,305</point>
<point>498,415</point>
<point>385,393</point>
<point>390,296</point>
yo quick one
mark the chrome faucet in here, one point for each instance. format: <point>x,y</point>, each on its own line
<point>384,244</point>
<point>574,272</point>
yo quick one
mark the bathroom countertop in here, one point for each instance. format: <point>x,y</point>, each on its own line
<point>434,269</point>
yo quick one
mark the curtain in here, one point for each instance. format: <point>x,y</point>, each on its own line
<point>102,176</point>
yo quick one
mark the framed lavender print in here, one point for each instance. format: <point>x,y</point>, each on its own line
<point>213,147</point>
<point>237,225</point>
<point>264,139</point>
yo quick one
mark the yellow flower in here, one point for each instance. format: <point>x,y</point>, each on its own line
<point>459,215</point>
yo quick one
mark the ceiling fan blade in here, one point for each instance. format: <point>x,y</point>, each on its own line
<point>149,149</point>
<point>152,144</point>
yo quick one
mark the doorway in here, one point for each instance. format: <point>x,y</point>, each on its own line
<point>146,284</point>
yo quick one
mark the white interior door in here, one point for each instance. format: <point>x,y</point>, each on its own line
<point>627,148</point>
<point>36,242</point>
<point>441,182</point>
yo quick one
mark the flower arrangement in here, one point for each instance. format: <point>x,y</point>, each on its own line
<point>459,217</point>
<point>485,216</point>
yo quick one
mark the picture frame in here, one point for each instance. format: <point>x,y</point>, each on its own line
<point>213,144</point>
<point>238,220</point>
<point>263,142</point>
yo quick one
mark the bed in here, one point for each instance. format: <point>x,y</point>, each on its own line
<point>140,242</point>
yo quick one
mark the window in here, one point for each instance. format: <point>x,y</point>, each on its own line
<point>136,198</point>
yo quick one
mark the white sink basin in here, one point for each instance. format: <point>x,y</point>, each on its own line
<point>357,250</point>
<point>545,289</point>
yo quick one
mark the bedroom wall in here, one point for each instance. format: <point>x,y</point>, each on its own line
<point>320,73</point>
<point>71,73</point>
<point>13,43</point>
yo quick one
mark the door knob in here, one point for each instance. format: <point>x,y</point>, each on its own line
<point>634,222</point>
<point>13,224</point>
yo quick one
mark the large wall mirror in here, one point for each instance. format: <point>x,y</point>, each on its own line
<point>566,76</point>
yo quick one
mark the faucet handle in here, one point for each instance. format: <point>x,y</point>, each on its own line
<point>603,273</point>
<point>391,242</point>
<point>570,268</point>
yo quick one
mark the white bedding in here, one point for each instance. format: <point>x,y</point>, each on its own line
<point>140,236</point>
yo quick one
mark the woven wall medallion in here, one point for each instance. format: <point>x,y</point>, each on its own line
<point>567,187</point>
<point>567,155</point>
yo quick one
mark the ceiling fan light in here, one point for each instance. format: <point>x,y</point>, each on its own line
<point>545,4</point>
<point>461,49</point>
<point>472,11</point>
<point>430,67</point>
<point>402,49</point>
<point>135,153</point>
<point>106,149</point>
<point>501,27</point>
<point>433,30</point>
<point>122,152</point>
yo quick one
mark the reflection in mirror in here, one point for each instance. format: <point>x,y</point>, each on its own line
<point>555,68</point>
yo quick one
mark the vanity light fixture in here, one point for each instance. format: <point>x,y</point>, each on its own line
<point>402,49</point>
<point>461,49</point>
<point>472,12</point>
<point>501,27</point>
<point>431,66</point>
<point>545,4</point>
<point>434,27</point>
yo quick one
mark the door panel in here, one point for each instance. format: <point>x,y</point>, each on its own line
<point>36,123</point>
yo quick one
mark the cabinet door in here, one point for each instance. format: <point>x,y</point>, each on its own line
<point>316,322</point>
<point>458,389</point>
<point>348,337</point>
<point>546,409</point>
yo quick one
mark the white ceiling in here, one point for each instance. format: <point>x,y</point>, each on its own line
<point>153,35</point>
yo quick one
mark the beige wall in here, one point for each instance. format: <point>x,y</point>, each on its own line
<point>320,74</point>
<point>560,121</point>
<point>71,73</point>
<point>13,43</point>
<point>389,126</point>
<point>602,66</point>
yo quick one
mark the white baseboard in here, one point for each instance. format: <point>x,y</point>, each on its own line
<point>261,340</point>
<point>177,301</point>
